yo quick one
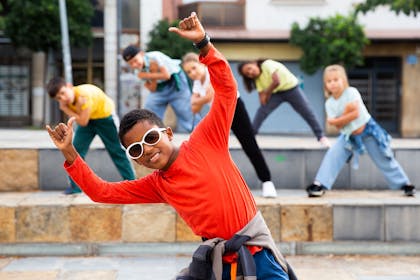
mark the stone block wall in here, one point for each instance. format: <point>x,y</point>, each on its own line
<point>49,217</point>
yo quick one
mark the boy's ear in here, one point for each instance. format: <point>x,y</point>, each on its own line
<point>170,133</point>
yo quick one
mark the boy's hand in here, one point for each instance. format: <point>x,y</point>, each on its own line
<point>62,134</point>
<point>190,28</point>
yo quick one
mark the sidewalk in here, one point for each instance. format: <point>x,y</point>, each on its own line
<point>166,266</point>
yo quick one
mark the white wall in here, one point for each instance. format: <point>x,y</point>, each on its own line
<point>110,49</point>
<point>277,14</point>
<point>150,14</point>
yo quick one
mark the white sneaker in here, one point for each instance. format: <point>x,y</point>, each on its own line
<point>325,142</point>
<point>268,189</point>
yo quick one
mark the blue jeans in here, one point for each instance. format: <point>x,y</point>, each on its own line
<point>267,267</point>
<point>178,98</point>
<point>338,155</point>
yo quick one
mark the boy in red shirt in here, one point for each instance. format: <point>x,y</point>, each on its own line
<point>199,178</point>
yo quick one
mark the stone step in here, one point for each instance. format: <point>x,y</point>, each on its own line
<point>29,169</point>
<point>378,219</point>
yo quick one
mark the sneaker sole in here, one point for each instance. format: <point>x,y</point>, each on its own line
<point>269,196</point>
<point>410,193</point>
<point>316,194</point>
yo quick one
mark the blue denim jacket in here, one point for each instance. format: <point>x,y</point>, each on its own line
<point>356,146</point>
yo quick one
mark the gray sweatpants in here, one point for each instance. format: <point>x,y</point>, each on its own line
<point>297,99</point>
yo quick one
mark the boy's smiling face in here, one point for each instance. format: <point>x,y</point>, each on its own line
<point>159,156</point>
<point>137,62</point>
<point>65,95</point>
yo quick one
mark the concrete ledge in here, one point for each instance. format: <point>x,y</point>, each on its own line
<point>358,248</point>
<point>172,249</point>
<point>291,168</point>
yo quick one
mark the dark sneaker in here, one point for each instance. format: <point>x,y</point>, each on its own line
<point>71,190</point>
<point>314,190</point>
<point>409,190</point>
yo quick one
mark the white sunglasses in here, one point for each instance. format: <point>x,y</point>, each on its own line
<point>151,137</point>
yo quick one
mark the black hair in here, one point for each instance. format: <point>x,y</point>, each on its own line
<point>135,116</point>
<point>54,85</point>
<point>248,82</point>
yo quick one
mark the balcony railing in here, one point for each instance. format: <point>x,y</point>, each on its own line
<point>216,14</point>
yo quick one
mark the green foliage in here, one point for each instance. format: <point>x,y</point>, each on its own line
<point>35,24</point>
<point>2,13</point>
<point>407,7</point>
<point>168,42</point>
<point>335,40</point>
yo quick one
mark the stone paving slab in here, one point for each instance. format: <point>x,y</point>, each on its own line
<point>116,249</point>
<point>165,267</point>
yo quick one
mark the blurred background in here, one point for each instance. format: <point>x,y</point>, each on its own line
<point>377,41</point>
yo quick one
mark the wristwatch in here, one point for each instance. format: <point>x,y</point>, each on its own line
<point>203,42</point>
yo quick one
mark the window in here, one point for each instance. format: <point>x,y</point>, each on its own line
<point>98,13</point>
<point>14,90</point>
<point>130,18</point>
<point>15,87</point>
<point>216,14</point>
<point>378,81</point>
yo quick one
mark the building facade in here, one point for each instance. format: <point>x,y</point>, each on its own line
<point>242,30</point>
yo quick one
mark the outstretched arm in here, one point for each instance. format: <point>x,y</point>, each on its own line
<point>215,129</point>
<point>62,136</point>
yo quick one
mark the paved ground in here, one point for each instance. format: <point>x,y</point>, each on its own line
<point>158,267</point>
<point>165,266</point>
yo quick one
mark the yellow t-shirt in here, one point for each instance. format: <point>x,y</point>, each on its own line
<point>268,67</point>
<point>100,105</point>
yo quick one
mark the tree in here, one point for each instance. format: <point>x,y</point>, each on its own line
<point>407,7</point>
<point>35,24</point>
<point>168,42</point>
<point>4,9</point>
<point>337,39</point>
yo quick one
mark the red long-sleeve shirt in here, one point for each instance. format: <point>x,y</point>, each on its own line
<point>203,184</point>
